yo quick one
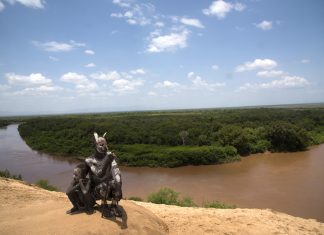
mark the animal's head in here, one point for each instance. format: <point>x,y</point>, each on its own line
<point>100,143</point>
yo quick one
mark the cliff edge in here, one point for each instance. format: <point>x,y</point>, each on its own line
<point>26,209</point>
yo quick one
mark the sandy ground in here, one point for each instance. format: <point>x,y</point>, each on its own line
<point>26,209</point>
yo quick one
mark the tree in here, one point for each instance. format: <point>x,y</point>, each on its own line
<point>184,135</point>
<point>203,140</point>
<point>285,136</point>
<point>235,136</point>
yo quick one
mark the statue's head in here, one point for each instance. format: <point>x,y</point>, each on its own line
<point>100,143</point>
<point>80,171</point>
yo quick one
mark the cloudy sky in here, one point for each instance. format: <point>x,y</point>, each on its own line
<point>59,56</point>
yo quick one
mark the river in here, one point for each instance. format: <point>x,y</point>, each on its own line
<point>286,182</point>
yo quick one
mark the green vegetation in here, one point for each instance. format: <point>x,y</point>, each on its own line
<point>178,138</point>
<point>219,205</point>
<point>135,199</point>
<point>7,174</point>
<point>4,123</point>
<point>170,197</point>
<point>45,185</point>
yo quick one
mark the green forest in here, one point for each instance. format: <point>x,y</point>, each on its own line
<point>178,138</point>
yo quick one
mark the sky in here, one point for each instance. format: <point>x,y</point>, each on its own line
<point>59,56</point>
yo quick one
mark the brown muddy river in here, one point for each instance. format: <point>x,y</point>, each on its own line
<point>287,182</point>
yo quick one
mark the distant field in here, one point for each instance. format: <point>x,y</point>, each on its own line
<point>181,137</point>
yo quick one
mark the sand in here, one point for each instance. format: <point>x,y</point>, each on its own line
<point>27,209</point>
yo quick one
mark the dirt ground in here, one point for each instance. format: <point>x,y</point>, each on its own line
<point>26,209</point>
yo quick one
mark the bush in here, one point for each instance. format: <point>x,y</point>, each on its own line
<point>164,196</point>
<point>170,197</point>
<point>186,202</point>
<point>166,156</point>
<point>45,185</point>
<point>285,136</point>
<point>6,174</point>
<point>135,199</point>
<point>219,205</point>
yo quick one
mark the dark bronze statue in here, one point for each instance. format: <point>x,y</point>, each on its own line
<point>98,178</point>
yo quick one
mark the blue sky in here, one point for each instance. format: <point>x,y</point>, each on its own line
<point>112,55</point>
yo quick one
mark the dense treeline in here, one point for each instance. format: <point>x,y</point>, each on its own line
<point>4,123</point>
<point>179,138</point>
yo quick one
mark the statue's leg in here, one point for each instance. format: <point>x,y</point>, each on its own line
<point>75,200</point>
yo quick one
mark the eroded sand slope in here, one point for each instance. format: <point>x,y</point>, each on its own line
<point>27,209</point>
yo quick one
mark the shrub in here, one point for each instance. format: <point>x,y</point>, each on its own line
<point>45,185</point>
<point>186,202</point>
<point>135,199</point>
<point>219,205</point>
<point>6,174</point>
<point>170,197</point>
<point>285,136</point>
<point>164,196</point>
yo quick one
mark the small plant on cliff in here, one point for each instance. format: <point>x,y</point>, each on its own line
<point>135,199</point>
<point>45,185</point>
<point>219,205</point>
<point>6,174</point>
<point>169,197</point>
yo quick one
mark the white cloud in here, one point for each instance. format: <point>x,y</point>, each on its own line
<point>139,71</point>
<point>305,61</point>
<point>89,52</point>
<point>170,42</point>
<point>215,67</point>
<point>264,25</point>
<point>257,64</point>
<point>152,93</point>
<point>54,46</point>
<point>113,75</point>
<point>52,58</point>
<point>2,6</point>
<point>220,8</point>
<point>117,15</point>
<point>4,87</point>
<point>32,79</point>
<point>167,84</point>
<point>285,82</point>
<point>44,88</point>
<point>82,83</point>
<point>74,78</point>
<point>198,82</point>
<point>159,24</point>
<point>271,73</point>
<point>28,3</point>
<point>90,65</point>
<point>192,22</point>
<point>122,3</point>
<point>135,13</point>
<point>124,85</point>
<point>87,87</point>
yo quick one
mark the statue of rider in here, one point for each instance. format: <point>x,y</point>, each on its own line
<point>105,176</point>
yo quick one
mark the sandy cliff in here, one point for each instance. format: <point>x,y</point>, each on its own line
<point>27,209</point>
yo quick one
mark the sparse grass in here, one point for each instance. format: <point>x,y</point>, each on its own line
<point>45,185</point>
<point>135,199</point>
<point>170,197</point>
<point>219,205</point>
<point>6,174</point>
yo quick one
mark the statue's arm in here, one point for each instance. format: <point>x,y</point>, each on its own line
<point>84,186</point>
<point>115,172</point>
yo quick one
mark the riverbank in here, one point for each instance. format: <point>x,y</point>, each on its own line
<point>26,209</point>
<point>174,139</point>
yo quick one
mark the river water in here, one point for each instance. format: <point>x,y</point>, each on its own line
<point>288,182</point>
